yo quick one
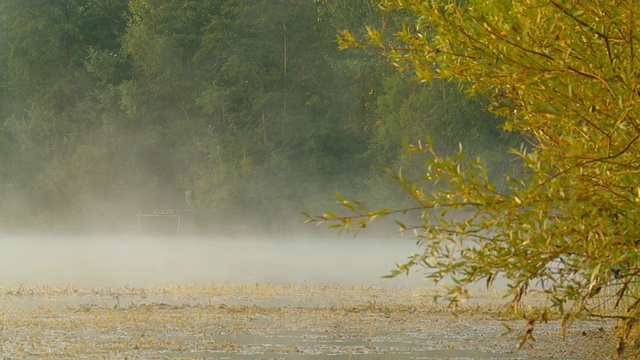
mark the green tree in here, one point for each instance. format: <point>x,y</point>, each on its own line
<point>236,100</point>
<point>47,92</point>
<point>162,119</point>
<point>128,104</point>
<point>564,74</point>
<point>409,110</point>
<point>281,123</point>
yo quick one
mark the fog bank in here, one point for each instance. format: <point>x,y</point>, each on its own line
<point>147,261</point>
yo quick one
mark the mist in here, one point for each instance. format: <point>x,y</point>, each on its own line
<point>99,127</point>
<point>142,261</point>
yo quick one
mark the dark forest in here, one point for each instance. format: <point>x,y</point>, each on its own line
<point>108,108</point>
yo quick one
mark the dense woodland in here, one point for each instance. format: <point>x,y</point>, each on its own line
<point>112,106</point>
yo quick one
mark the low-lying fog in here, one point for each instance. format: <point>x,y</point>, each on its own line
<point>147,261</point>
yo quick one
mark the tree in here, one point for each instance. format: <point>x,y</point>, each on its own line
<point>409,109</point>
<point>286,121</point>
<point>248,104</point>
<point>565,75</point>
<point>48,104</point>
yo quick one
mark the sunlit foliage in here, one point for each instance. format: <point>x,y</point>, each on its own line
<point>565,75</point>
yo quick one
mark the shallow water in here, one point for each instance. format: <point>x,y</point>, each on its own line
<point>186,298</point>
<point>348,323</point>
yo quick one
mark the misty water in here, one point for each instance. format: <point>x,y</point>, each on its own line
<point>343,310</point>
<point>146,261</point>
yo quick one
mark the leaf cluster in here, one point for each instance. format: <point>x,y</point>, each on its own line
<point>565,75</point>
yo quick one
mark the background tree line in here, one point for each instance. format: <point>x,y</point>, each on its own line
<point>110,106</point>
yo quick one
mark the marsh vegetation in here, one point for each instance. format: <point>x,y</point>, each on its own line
<point>275,321</point>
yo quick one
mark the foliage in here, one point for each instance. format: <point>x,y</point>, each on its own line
<point>564,74</point>
<point>408,110</point>
<point>110,107</point>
